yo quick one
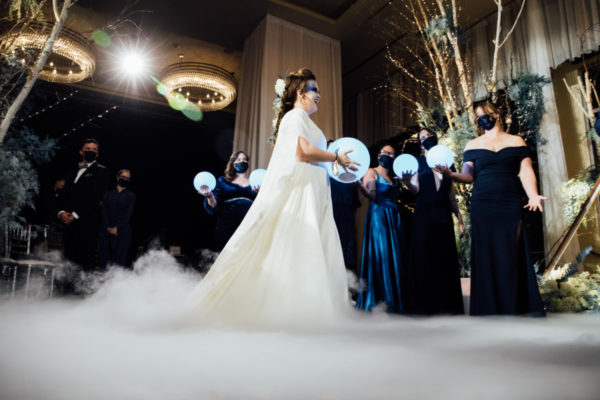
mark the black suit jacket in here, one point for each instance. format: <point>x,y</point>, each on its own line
<point>85,196</point>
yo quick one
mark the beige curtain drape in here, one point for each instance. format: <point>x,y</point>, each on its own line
<point>275,48</point>
<point>379,116</point>
<point>549,33</point>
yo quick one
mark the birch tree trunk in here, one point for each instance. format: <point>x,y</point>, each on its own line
<point>35,73</point>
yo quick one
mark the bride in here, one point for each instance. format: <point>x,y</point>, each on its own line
<point>284,264</point>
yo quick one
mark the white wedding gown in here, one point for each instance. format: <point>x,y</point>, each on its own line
<point>284,264</point>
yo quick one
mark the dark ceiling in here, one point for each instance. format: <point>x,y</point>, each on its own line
<point>359,25</point>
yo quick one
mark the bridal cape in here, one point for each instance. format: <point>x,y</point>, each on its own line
<point>284,264</point>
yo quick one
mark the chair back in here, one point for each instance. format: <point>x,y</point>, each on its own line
<point>17,241</point>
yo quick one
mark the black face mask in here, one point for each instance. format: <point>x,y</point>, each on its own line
<point>240,167</point>
<point>385,161</point>
<point>123,182</point>
<point>429,142</point>
<point>89,156</point>
<point>486,122</point>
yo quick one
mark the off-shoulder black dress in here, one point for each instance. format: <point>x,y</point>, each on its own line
<point>502,277</point>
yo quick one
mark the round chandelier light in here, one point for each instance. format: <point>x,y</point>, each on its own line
<point>72,58</point>
<point>210,87</point>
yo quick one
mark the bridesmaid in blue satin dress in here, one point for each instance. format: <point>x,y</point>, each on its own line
<point>231,199</point>
<point>502,277</point>
<point>384,247</point>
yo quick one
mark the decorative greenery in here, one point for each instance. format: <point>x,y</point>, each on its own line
<point>19,8</point>
<point>433,118</point>
<point>439,27</point>
<point>20,154</point>
<point>526,92</point>
<point>462,131</point>
<point>574,192</point>
<point>567,290</point>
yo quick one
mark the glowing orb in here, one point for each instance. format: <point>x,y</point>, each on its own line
<point>256,177</point>
<point>440,155</point>
<point>405,163</point>
<point>205,178</point>
<point>359,153</point>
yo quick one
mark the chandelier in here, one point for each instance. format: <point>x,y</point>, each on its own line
<point>210,87</point>
<point>72,58</point>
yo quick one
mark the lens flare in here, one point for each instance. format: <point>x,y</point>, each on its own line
<point>176,101</point>
<point>101,38</point>
<point>192,112</point>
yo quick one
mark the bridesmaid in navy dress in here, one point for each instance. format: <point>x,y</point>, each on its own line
<point>434,271</point>
<point>384,248</point>
<point>502,277</point>
<point>231,199</point>
<point>115,231</point>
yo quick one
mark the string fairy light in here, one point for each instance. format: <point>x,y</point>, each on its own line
<point>89,120</point>
<point>48,108</point>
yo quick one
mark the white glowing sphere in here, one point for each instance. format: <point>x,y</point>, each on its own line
<point>405,163</point>
<point>205,178</point>
<point>440,155</point>
<point>256,177</point>
<point>359,153</point>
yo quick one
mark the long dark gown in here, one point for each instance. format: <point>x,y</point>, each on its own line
<point>116,210</point>
<point>502,277</point>
<point>233,202</point>
<point>434,273</point>
<point>383,252</point>
<point>344,198</point>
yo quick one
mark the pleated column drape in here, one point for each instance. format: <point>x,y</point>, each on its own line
<point>275,48</point>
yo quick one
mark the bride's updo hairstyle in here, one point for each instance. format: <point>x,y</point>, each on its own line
<point>293,82</point>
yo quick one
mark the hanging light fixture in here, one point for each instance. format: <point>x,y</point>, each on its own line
<point>210,87</point>
<point>72,58</point>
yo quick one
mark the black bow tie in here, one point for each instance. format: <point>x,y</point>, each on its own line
<point>83,164</point>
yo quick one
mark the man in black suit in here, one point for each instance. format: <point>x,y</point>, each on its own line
<point>80,209</point>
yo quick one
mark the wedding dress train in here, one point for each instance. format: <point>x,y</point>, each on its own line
<point>284,264</point>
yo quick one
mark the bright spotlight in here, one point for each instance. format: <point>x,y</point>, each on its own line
<point>133,64</point>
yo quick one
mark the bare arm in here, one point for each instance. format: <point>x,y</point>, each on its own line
<point>455,210</point>
<point>306,152</point>
<point>529,182</point>
<point>211,199</point>
<point>466,176</point>
<point>368,185</point>
<point>454,203</point>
